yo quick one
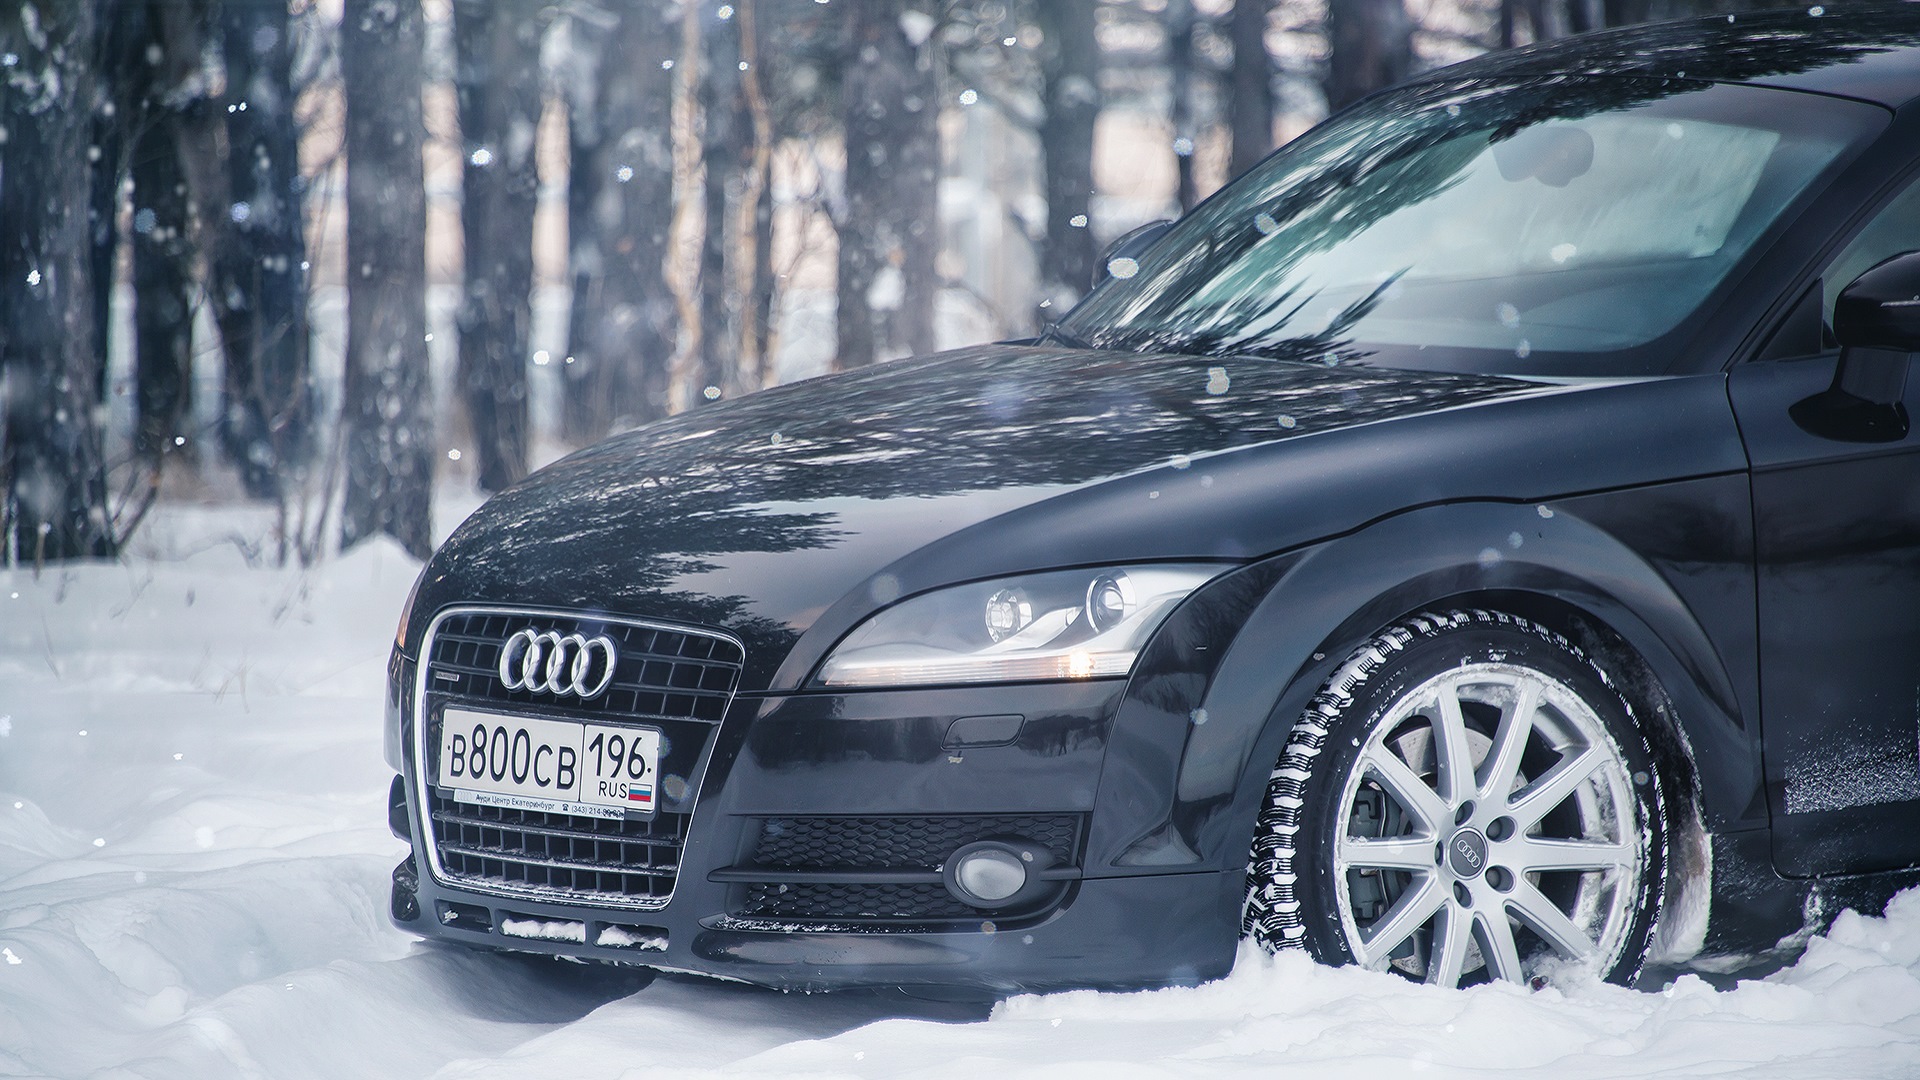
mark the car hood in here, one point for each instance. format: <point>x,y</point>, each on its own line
<point>758,515</point>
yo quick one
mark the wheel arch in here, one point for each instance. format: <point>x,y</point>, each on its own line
<point>1564,572</point>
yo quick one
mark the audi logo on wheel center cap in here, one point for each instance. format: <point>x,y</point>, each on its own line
<point>559,664</point>
<point>1467,853</point>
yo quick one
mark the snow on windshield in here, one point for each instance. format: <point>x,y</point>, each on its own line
<point>1524,230</point>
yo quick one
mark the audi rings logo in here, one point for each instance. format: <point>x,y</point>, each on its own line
<point>558,664</point>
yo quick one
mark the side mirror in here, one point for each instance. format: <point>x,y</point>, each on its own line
<point>1881,309</point>
<point>1120,258</point>
<point>1877,321</point>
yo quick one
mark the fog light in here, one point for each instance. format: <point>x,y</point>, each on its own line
<point>990,874</point>
<point>998,872</point>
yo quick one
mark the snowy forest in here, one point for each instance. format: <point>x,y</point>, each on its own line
<point>288,288</point>
<point>314,255</point>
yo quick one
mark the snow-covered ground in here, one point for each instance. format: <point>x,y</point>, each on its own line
<point>193,873</point>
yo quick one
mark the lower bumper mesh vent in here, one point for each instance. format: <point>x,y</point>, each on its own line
<point>830,850</point>
<point>853,903</point>
<point>920,843</point>
<point>532,850</point>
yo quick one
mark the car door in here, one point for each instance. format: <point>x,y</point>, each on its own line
<point>1837,546</point>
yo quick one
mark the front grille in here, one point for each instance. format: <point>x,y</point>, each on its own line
<point>661,672</point>
<point>529,850</point>
<point>903,842</point>
<point>846,902</point>
<point>678,682</point>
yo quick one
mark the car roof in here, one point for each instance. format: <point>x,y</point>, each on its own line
<point>1865,51</point>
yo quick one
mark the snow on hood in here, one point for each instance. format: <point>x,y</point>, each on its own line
<point>757,514</point>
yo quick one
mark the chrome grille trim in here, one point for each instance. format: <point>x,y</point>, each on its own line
<point>693,681</point>
<point>711,704</point>
<point>561,864</point>
<point>558,834</point>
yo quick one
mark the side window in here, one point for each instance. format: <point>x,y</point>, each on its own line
<point>1894,230</point>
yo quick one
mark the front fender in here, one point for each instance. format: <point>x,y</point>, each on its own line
<point>1666,568</point>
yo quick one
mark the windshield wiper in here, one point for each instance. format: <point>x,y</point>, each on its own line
<point>1054,335</point>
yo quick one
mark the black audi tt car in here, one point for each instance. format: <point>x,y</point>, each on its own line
<point>1483,538</point>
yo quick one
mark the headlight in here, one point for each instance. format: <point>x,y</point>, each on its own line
<point>1069,624</point>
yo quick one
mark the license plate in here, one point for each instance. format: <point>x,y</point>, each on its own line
<point>555,765</point>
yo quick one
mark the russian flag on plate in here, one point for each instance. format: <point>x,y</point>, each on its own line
<point>640,793</point>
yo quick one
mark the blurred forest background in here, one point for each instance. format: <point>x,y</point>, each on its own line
<point>313,254</point>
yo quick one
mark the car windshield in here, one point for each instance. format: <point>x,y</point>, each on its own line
<point>1560,228</point>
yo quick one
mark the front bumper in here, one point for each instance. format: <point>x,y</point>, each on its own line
<point>1136,931</point>
<point>814,829</point>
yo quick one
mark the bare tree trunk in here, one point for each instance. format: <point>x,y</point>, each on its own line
<point>1250,104</point>
<point>726,126</point>
<point>1370,48</point>
<point>113,66</point>
<point>623,327</point>
<point>588,379</point>
<point>260,277</point>
<point>1536,16</point>
<point>162,286</point>
<point>1181,25</point>
<point>159,58</point>
<point>53,495</point>
<point>1070,69</point>
<point>1626,12</point>
<point>1585,15</point>
<point>103,240</point>
<point>755,367</point>
<point>762,292</point>
<point>388,430</point>
<point>889,239</point>
<point>497,48</point>
<point>1540,19</point>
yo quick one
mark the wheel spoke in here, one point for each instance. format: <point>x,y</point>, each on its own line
<point>1552,788</point>
<point>1496,774</point>
<point>1532,907</point>
<point>1452,757</point>
<point>1534,853</point>
<point>1406,786</point>
<point>1413,853</point>
<point>1452,934</point>
<point>1486,755</point>
<point>1407,915</point>
<point>1496,944</point>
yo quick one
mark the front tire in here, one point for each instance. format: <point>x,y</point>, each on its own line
<point>1467,798</point>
